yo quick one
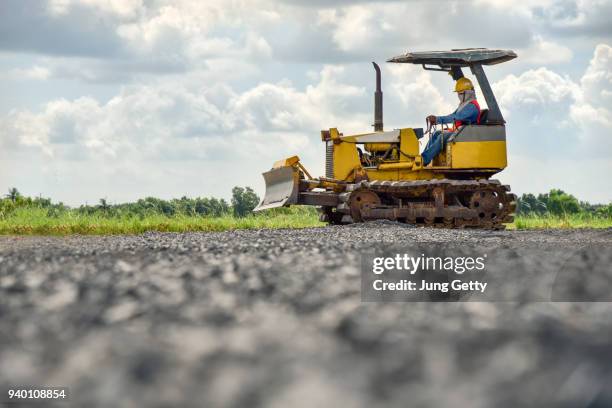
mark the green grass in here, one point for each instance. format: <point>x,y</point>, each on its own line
<point>525,222</point>
<point>37,221</point>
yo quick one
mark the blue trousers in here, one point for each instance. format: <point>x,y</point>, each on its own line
<point>434,146</point>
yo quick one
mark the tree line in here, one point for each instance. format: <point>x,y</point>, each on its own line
<point>244,199</point>
<point>559,203</point>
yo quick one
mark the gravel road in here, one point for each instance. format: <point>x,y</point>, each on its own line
<point>274,318</point>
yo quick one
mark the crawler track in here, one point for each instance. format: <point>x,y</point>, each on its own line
<point>485,204</point>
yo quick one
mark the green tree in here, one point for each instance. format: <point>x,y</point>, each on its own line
<point>13,194</point>
<point>529,204</point>
<point>604,211</point>
<point>561,203</point>
<point>243,201</point>
<point>104,206</point>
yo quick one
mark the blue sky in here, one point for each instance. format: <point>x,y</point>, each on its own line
<point>124,99</point>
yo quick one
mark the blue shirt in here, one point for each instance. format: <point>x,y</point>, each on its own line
<point>468,114</point>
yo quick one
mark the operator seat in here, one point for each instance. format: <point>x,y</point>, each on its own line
<point>484,115</point>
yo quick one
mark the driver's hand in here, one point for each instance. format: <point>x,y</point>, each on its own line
<point>431,119</point>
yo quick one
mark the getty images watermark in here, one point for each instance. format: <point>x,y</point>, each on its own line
<point>447,272</point>
<point>412,265</point>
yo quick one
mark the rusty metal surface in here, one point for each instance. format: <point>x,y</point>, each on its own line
<point>361,202</point>
<point>318,198</point>
<point>439,203</point>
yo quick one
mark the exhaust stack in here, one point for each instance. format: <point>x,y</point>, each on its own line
<point>378,102</point>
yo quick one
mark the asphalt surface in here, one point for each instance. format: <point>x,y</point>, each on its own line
<point>274,318</point>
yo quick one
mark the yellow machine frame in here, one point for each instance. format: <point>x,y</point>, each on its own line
<point>475,156</point>
<point>380,175</point>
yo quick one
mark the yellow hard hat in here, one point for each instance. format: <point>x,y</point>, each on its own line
<point>463,84</point>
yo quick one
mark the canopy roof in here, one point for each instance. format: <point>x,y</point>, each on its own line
<point>458,58</point>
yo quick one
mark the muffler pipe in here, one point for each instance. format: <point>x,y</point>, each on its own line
<point>378,102</point>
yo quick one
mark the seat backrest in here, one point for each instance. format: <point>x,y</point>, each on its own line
<point>484,115</point>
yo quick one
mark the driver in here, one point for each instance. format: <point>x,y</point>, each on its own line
<point>467,112</point>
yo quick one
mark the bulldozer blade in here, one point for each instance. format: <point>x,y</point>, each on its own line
<point>282,185</point>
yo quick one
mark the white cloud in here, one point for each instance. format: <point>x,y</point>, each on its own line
<point>580,17</point>
<point>159,118</point>
<point>534,88</point>
<point>545,96</point>
<point>118,40</point>
<point>36,72</point>
<point>592,109</point>
<point>559,129</point>
<point>171,125</point>
<point>353,28</point>
<point>543,52</point>
<point>391,27</point>
<point>158,89</point>
<point>162,36</point>
<point>597,81</point>
<point>418,96</point>
<point>23,129</point>
<point>564,17</point>
<point>123,8</point>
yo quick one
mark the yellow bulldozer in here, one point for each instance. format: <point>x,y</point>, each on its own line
<point>380,175</point>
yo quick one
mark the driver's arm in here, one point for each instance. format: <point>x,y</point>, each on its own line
<point>443,120</point>
<point>469,113</point>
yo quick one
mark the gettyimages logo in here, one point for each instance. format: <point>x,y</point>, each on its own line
<point>413,265</point>
<point>423,274</point>
<point>455,272</point>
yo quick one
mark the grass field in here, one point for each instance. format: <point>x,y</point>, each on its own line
<point>570,221</point>
<point>37,221</point>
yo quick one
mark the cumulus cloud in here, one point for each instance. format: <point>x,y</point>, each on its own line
<point>116,40</point>
<point>282,107</point>
<point>180,34</point>
<point>543,52</point>
<point>142,117</point>
<point>554,113</point>
<point>592,110</point>
<point>576,17</point>
<point>417,94</point>
<point>354,28</point>
<point>158,91</point>
<point>186,122</point>
<point>535,88</point>
<point>562,17</point>
<point>559,129</point>
<point>389,28</point>
<point>139,122</point>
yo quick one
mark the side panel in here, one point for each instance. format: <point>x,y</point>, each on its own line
<point>474,155</point>
<point>345,160</point>
<point>478,147</point>
<point>396,175</point>
<point>409,144</point>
